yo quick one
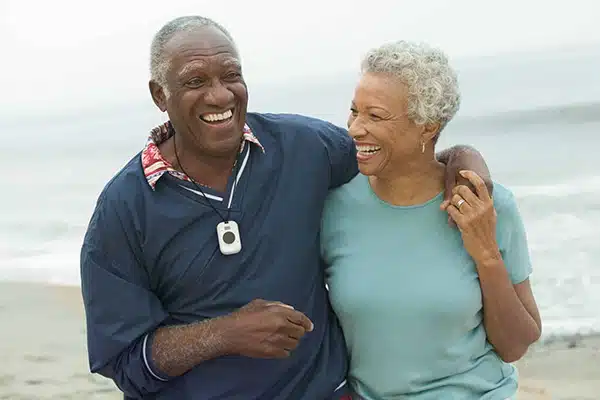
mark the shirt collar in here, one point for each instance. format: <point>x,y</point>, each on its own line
<point>155,165</point>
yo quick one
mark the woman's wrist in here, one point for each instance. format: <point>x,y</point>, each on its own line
<point>490,259</point>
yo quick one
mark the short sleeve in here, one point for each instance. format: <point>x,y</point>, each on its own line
<point>512,236</point>
<point>121,309</point>
<point>342,153</point>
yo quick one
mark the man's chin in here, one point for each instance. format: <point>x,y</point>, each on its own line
<point>228,146</point>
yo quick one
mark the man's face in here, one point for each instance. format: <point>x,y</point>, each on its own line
<point>206,97</point>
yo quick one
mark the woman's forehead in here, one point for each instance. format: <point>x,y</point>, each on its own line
<point>373,89</point>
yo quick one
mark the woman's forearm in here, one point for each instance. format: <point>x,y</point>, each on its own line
<point>509,326</point>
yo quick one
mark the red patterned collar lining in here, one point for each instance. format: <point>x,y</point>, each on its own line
<point>155,165</point>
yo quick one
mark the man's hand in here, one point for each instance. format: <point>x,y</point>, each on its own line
<point>260,329</point>
<point>263,329</point>
<point>459,158</point>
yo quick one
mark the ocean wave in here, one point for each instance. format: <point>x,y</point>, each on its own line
<point>577,186</point>
<point>561,113</point>
<point>40,229</point>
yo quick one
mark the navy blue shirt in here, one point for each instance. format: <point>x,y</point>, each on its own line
<point>150,258</point>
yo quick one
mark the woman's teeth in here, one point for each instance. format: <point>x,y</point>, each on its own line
<point>368,149</point>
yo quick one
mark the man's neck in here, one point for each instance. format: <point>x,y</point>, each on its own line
<point>213,172</point>
<point>411,185</point>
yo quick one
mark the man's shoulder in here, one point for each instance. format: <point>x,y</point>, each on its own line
<point>126,184</point>
<point>298,129</point>
<point>294,122</point>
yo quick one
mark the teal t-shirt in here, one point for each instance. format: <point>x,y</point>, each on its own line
<point>408,298</point>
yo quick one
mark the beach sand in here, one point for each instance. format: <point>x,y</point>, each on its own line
<point>42,343</point>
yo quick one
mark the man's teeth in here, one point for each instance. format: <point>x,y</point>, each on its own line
<point>217,117</point>
<point>368,149</point>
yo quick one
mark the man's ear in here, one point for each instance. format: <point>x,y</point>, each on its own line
<point>158,95</point>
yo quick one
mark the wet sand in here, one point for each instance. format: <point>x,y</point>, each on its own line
<point>42,343</point>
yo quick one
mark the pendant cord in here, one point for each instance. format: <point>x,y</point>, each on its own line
<point>207,201</point>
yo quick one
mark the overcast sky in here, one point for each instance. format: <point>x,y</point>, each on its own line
<point>64,54</point>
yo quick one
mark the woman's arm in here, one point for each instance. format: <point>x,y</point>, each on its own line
<point>510,314</point>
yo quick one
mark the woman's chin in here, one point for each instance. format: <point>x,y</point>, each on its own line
<point>367,170</point>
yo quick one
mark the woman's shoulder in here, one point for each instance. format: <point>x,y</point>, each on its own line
<point>504,198</point>
<point>509,216</point>
<point>346,199</point>
<point>355,189</point>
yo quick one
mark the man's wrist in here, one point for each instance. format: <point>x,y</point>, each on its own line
<point>223,335</point>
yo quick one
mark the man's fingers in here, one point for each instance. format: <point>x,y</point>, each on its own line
<point>280,304</point>
<point>287,343</point>
<point>293,316</point>
<point>277,352</point>
<point>295,331</point>
<point>300,319</point>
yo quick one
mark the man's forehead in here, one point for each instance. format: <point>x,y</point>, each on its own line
<point>195,65</point>
<point>207,39</point>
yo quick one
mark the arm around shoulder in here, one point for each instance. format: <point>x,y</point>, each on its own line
<point>341,152</point>
<point>463,157</point>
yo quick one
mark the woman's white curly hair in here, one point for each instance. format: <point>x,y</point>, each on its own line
<point>434,95</point>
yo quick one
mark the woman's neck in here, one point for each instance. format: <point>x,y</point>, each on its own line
<point>411,185</point>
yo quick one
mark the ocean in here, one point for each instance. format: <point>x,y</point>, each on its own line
<point>534,116</point>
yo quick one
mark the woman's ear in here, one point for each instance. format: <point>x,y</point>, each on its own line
<point>430,132</point>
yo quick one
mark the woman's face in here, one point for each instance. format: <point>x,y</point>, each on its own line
<point>384,135</point>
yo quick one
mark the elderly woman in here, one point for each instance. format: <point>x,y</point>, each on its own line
<point>428,311</point>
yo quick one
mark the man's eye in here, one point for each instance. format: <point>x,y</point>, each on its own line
<point>195,82</point>
<point>233,76</point>
<point>374,117</point>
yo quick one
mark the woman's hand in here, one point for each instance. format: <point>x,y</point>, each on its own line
<point>458,158</point>
<point>475,217</point>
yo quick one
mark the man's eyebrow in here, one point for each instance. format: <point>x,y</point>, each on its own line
<point>190,68</point>
<point>233,63</point>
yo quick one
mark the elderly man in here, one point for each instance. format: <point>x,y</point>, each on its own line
<point>200,268</point>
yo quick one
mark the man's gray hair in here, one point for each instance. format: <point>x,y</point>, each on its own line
<point>433,93</point>
<point>158,63</point>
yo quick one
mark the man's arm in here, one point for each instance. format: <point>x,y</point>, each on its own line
<point>342,157</point>
<point>127,341</point>
<point>120,308</point>
<point>459,158</point>
<point>341,152</point>
<point>260,329</point>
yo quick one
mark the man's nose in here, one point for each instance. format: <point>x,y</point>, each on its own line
<point>219,95</point>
